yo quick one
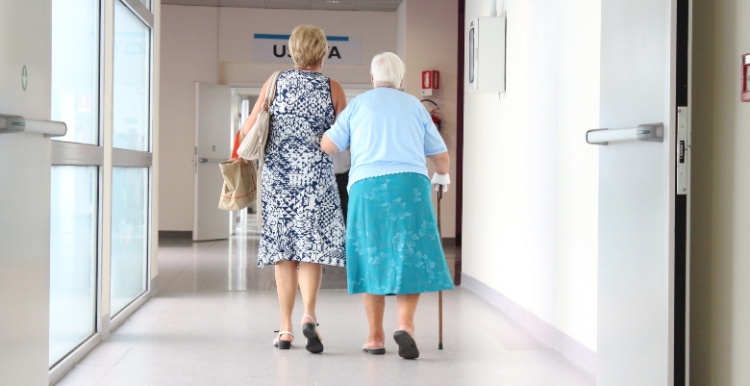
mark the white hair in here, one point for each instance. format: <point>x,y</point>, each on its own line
<point>387,70</point>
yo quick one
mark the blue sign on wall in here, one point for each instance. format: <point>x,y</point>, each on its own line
<point>269,48</point>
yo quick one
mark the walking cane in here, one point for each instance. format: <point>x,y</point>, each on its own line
<point>440,294</point>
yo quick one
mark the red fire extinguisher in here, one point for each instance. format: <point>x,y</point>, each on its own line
<point>435,113</point>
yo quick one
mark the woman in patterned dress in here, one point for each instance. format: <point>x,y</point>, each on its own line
<point>303,227</point>
<point>392,241</point>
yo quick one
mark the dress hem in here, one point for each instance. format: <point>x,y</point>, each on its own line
<point>338,262</point>
<point>379,293</point>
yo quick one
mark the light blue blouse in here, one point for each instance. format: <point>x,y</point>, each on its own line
<point>389,132</point>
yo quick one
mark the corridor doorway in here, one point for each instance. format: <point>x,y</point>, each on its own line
<point>220,112</point>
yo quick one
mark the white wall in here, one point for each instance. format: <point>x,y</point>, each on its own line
<point>577,170</point>
<point>189,54</point>
<point>430,41</point>
<point>215,45</point>
<point>530,184</point>
<point>720,291</point>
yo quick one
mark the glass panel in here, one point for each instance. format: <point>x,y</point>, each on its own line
<point>131,81</point>
<point>129,235</point>
<point>73,258</point>
<point>147,3</point>
<point>75,68</point>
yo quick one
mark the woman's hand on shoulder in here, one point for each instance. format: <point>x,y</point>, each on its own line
<point>327,145</point>
<point>338,97</point>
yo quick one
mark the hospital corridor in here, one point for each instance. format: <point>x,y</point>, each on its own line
<point>374,192</point>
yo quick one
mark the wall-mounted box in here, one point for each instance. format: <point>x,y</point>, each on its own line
<point>745,97</point>
<point>487,42</point>
<point>430,82</point>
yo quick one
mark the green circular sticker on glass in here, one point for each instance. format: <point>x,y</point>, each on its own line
<point>24,78</point>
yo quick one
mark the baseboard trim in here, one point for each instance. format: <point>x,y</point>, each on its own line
<point>107,325</point>
<point>449,241</point>
<point>64,366</point>
<point>175,234</point>
<point>154,288</point>
<point>126,312</point>
<point>578,354</point>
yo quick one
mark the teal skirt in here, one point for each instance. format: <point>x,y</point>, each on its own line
<point>392,241</point>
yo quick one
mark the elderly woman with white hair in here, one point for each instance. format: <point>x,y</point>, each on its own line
<point>392,242</point>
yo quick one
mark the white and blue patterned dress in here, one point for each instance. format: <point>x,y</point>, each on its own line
<point>302,219</point>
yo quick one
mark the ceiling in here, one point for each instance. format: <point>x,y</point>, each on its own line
<point>326,5</point>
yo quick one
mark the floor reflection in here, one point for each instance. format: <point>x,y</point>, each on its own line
<point>223,265</point>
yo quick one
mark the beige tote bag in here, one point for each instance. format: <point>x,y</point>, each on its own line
<point>253,147</point>
<point>239,190</point>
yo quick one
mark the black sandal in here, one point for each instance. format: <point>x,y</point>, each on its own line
<point>407,346</point>
<point>282,344</point>
<point>314,345</point>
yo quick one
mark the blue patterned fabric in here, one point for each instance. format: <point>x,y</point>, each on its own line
<point>301,209</point>
<point>392,241</point>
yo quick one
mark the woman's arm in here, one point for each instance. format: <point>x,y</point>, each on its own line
<point>328,146</point>
<point>338,97</point>
<point>441,162</point>
<point>250,121</point>
<point>339,104</point>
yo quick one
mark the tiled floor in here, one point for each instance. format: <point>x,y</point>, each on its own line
<point>213,322</point>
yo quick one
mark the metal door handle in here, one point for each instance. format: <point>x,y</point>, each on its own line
<point>17,124</point>
<point>210,161</point>
<point>649,132</point>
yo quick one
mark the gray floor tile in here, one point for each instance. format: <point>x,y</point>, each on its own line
<point>213,322</point>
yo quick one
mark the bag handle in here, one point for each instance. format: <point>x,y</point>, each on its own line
<point>271,85</point>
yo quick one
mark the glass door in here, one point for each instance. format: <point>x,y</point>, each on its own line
<point>80,292</point>
<point>131,138</point>
<point>74,216</point>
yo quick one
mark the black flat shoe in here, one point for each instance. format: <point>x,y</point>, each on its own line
<point>374,350</point>
<point>282,344</point>
<point>314,345</point>
<point>407,346</point>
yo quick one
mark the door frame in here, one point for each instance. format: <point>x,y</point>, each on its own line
<point>683,98</point>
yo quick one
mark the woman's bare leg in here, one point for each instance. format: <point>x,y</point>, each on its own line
<point>286,287</point>
<point>407,306</point>
<point>375,307</point>
<point>309,283</point>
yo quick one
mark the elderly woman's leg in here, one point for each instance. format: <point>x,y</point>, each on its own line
<point>286,287</point>
<point>407,306</point>
<point>375,307</point>
<point>404,336</point>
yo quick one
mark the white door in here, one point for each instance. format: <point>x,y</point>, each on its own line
<point>25,180</point>
<point>213,131</point>
<point>641,290</point>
